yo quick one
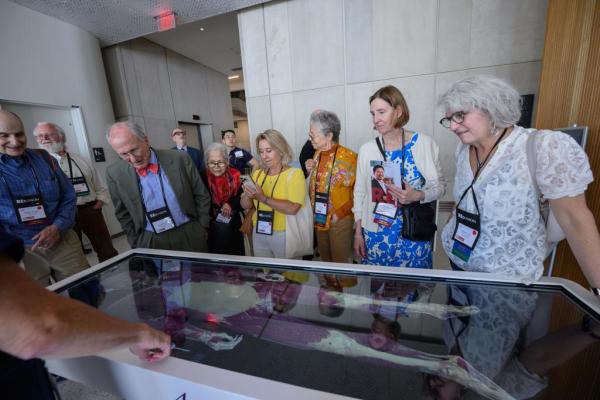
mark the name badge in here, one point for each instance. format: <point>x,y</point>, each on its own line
<point>466,234</point>
<point>385,214</point>
<point>264,222</point>
<point>80,185</point>
<point>239,154</point>
<point>30,209</point>
<point>161,220</point>
<point>223,219</point>
<point>321,208</point>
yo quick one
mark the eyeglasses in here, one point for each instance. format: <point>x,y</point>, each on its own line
<point>216,164</point>
<point>457,117</point>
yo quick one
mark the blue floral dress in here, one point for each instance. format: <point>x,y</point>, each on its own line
<point>387,246</point>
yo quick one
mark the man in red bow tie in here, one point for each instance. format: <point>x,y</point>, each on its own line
<point>160,200</point>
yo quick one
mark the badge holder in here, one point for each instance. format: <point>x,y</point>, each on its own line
<point>321,208</point>
<point>161,220</point>
<point>30,209</point>
<point>385,214</point>
<point>264,222</point>
<point>80,185</point>
<point>222,218</point>
<point>467,230</point>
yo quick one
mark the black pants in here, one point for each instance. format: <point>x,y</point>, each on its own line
<point>24,379</point>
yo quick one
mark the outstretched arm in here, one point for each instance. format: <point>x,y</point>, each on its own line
<point>40,323</point>
<point>577,221</point>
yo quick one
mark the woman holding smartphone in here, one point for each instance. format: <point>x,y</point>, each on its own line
<point>277,189</point>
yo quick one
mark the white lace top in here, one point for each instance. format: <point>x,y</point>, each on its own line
<point>513,236</point>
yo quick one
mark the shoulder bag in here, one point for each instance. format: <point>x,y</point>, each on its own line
<point>418,218</point>
<point>299,229</point>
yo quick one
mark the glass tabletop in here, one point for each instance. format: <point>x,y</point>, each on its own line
<point>353,334</point>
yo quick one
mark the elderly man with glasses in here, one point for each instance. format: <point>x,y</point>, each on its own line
<point>160,200</point>
<point>90,190</point>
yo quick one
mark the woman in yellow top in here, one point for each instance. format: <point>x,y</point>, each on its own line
<point>332,175</point>
<point>276,190</point>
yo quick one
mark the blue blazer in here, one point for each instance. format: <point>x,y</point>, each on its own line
<point>197,157</point>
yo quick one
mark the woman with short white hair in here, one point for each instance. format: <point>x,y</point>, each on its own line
<point>332,174</point>
<point>225,187</point>
<point>497,225</point>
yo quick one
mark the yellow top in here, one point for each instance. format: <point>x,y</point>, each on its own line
<point>290,186</point>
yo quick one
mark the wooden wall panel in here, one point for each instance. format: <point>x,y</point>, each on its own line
<point>570,94</point>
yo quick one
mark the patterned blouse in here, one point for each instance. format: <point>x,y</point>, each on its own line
<point>513,234</point>
<point>338,180</point>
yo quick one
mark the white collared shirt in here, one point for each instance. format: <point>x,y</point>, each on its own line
<point>98,189</point>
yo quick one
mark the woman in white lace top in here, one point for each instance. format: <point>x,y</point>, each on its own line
<point>497,225</point>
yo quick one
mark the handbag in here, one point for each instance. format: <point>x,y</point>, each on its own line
<point>299,230</point>
<point>419,221</point>
<point>418,218</point>
<point>246,227</point>
<point>554,232</point>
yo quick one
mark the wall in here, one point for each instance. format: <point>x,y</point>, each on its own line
<point>570,90</point>
<point>299,55</point>
<point>157,88</point>
<point>46,61</point>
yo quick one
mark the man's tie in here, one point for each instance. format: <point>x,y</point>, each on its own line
<point>150,167</point>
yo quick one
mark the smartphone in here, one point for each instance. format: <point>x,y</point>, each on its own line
<point>248,182</point>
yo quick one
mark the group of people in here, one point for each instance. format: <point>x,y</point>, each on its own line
<point>372,202</point>
<point>498,224</point>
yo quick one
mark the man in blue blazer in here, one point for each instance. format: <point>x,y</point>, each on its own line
<point>179,137</point>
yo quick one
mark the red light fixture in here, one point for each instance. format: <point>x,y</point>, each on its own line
<point>166,21</point>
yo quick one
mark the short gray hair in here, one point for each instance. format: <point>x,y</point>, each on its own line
<point>57,128</point>
<point>220,147</point>
<point>326,121</point>
<point>137,130</point>
<point>494,96</point>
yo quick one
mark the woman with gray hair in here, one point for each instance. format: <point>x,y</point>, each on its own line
<point>501,169</point>
<point>332,174</point>
<point>225,188</point>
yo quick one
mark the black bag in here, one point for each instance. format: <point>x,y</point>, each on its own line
<point>418,218</point>
<point>419,221</point>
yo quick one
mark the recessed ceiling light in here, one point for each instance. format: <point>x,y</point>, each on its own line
<point>233,77</point>
<point>201,29</point>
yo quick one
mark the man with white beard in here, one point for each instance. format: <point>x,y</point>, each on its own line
<point>90,190</point>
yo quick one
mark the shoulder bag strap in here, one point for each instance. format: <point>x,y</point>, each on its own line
<point>532,161</point>
<point>381,149</point>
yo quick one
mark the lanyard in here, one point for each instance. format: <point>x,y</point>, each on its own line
<point>330,172</point>
<point>71,167</point>
<point>480,166</point>
<point>272,189</point>
<point>162,188</point>
<point>38,192</point>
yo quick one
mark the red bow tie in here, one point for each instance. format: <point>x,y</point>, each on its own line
<point>150,167</point>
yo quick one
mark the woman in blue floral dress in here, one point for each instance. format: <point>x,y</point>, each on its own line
<point>378,225</point>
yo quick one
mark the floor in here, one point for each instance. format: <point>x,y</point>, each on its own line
<point>74,391</point>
